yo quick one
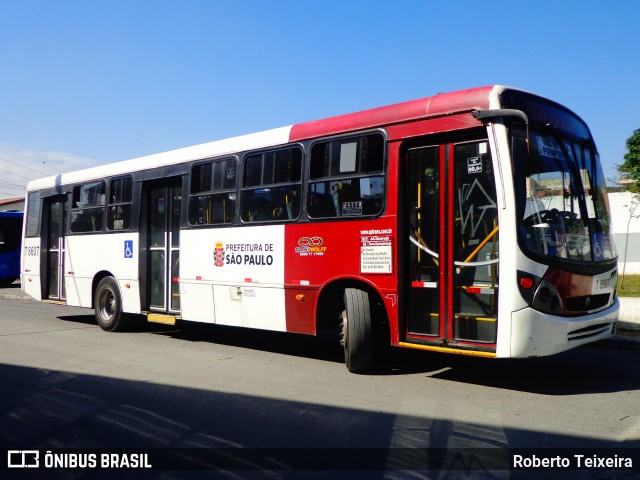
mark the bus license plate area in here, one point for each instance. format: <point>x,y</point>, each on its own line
<point>604,283</point>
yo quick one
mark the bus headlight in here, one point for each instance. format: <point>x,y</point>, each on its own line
<point>547,299</point>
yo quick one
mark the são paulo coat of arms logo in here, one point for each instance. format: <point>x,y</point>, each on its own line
<point>218,255</point>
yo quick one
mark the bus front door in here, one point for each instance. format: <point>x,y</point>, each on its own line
<point>162,225</point>
<point>452,246</point>
<point>54,248</point>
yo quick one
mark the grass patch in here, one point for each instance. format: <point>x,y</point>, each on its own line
<point>631,285</point>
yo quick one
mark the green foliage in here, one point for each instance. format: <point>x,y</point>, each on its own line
<point>629,287</point>
<point>631,165</point>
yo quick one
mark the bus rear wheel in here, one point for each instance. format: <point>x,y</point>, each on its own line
<point>356,331</point>
<point>108,306</point>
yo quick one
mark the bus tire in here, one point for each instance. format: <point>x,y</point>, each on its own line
<point>108,306</point>
<point>356,335</point>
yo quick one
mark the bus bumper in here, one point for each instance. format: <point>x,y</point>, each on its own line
<point>535,334</point>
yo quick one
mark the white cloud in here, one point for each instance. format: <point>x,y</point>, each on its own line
<point>19,165</point>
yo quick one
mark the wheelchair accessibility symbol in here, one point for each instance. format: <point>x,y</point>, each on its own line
<point>128,249</point>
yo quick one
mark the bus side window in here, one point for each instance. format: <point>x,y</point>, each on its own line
<point>212,196</point>
<point>120,199</point>
<point>320,205</point>
<point>272,185</point>
<point>87,209</point>
<point>346,178</point>
<point>33,215</point>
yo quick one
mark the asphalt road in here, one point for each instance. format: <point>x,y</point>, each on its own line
<point>67,384</point>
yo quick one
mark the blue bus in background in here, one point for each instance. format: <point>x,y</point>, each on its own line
<point>10,241</point>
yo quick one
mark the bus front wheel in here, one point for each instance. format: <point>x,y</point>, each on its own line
<point>356,335</point>
<point>108,306</point>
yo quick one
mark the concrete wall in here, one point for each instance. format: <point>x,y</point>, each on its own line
<point>626,229</point>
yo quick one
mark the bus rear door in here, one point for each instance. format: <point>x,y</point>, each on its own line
<point>53,247</point>
<point>161,250</point>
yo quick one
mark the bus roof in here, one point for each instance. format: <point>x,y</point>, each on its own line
<point>438,105</point>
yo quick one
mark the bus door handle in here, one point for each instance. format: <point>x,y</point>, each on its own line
<point>235,293</point>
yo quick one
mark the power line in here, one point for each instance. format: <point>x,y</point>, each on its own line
<point>15,174</point>
<point>6,183</point>
<point>18,193</point>
<point>22,166</point>
<point>10,195</point>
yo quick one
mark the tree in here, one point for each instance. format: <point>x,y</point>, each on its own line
<point>631,165</point>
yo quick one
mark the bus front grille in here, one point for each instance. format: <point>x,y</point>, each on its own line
<point>587,303</point>
<point>590,331</point>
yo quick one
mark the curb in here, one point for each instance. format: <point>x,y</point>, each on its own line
<point>627,336</point>
<point>627,327</point>
<point>630,309</point>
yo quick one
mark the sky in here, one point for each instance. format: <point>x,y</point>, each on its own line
<point>89,82</point>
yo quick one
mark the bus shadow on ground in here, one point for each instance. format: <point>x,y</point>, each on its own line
<point>577,372</point>
<point>580,371</point>
<point>84,319</point>
<point>50,409</point>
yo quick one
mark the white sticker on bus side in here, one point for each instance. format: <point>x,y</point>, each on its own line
<point>234,254</point>
<point>376,252</point>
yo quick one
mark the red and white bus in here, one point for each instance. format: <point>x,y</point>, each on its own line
<point>474,222</point>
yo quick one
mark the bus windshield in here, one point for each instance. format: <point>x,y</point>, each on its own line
<point>10,232</point>
<point>563,210</point>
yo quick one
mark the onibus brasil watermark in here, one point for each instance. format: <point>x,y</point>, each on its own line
<point>72,460</point>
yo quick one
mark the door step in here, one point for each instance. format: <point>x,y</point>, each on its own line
<point>54,302</point>
<point>437,348</point>
<point>162,318</point>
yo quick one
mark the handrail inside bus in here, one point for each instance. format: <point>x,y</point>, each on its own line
<point>482,244</point>
<point>422,246</point>
<point>476,264</point>
<point>466,263</point>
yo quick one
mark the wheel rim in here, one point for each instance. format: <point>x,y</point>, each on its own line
<point>344,331</point>
<point>107,305</point>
